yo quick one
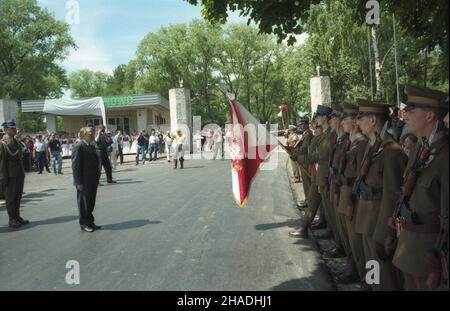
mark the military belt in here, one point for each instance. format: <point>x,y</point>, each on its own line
<point>419,228</point>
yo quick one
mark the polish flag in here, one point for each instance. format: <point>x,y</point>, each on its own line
<point>248,149</point>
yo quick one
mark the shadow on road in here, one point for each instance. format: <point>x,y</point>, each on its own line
<point>192,167</point>
<point>125,183</point>
<point>317,281</point>
<point>51,221</point>
<point>51,190</point>
<point>132,224</point>
<point>289,223</point>
<point>33,195</point>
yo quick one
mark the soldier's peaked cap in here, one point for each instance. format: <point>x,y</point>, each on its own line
<point>350,109</point>
<point>323,111</point>
<point>372,107</point>
<point>303,120</point>
<point>337,110</point>
<point>419,97</point>
<point>11,124</point>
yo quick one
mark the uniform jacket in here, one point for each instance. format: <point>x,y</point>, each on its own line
<point>386,176</point>
<point>11,154</point>
<point>429,200</point>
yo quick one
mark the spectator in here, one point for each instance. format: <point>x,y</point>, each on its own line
<point>118,137</point>
<point>153,141</point>
<point>103,142</point>
<point>218,140</point>
<point>55,149</point>
<point>168,142</point>
<point>408,143</point>
<point>198,141</point>
<point>40,154</point>
<point>140,147</point>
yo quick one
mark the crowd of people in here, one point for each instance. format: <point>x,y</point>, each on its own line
<point>379,186</point>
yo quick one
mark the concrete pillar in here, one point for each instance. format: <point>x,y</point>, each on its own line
<point>142,120</point>
<point>51,122</point>
<point>320,92</point>
<point>8,111</point>
<point>181,113</point>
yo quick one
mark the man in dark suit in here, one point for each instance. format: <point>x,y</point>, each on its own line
<point>103,142</point>
<point>86,176</point>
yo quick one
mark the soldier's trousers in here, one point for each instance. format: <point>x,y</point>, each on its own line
<point>351,241</point>
<point>339,207</point>
<point>306,180</point>
<point>86,204</point>
<point>295,169</point>
<point>390,277</point>
<point>330,215</point>
<point>314,201</point>
<point>357,247</point>
<point>13,195</point>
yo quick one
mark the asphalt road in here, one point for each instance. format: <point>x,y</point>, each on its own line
<point>162,230</point>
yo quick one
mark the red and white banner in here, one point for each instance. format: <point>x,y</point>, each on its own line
<point>248,149</point>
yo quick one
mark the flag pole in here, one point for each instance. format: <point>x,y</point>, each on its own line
<point>396,62</point>
<point>370,63</point>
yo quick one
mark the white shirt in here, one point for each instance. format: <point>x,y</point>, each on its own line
<point>39,146</point>
<point>153,139</point>
<point>218,137</point>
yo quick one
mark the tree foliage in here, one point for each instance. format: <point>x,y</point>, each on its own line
<point>32,44</point>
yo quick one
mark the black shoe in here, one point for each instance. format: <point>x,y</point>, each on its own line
<point>325,236</point>
<point>87,229</point>
<point>14,223</point>
<point>319,225</point>
<point>23,221</point>
<point>61,173</point>
<point>337,252</point>
<point>40,173</point>
<point>112,182</point>
<point>95,227</point>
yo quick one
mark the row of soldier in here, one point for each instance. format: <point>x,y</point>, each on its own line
<point>378,204</point>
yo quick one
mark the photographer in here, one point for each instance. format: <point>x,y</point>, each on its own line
<point>103,142</point>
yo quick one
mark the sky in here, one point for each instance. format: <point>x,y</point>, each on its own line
<point>109,31</point>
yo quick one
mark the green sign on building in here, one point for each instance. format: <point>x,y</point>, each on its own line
<point>118,101</point>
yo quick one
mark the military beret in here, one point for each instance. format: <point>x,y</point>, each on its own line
<point>425,98</point>
<point>367,107</point>
<point>11,124</point>
<point>323,111</point>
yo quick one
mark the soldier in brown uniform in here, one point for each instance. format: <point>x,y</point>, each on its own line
<point>376,188</point>
<point>291,142</point>
<point>302,156</point>
<point>313,195</point>
<point>422,218</point>
<point>324,153</point>
<point>12,174</point>
<point>348,170</point>
<point>337,153</point>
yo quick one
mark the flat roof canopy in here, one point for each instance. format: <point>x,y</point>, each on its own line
<point>110,102</point>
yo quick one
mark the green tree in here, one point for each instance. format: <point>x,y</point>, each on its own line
<point>33,44</point>
<point>87,83</point>
<point>282,18</point>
